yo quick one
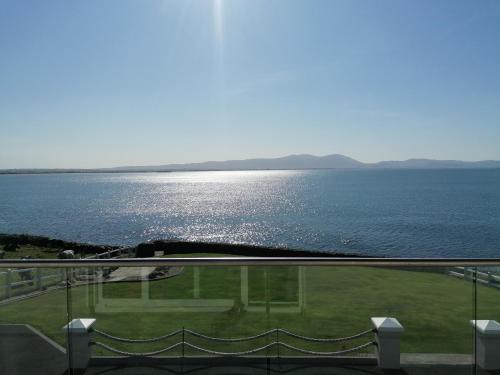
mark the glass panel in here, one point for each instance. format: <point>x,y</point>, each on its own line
<point>488,315</point>
<point>197,312</point>
<point>33,312</point>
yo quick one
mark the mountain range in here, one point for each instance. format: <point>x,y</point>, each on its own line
<point>302,161</point>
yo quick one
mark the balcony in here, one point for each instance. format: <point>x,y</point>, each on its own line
<point>245,315</point>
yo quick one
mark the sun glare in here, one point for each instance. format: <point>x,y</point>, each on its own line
<point>218,20</point>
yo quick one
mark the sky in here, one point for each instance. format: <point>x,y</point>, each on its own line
<point>95,83</point>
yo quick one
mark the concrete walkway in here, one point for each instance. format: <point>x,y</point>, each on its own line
<point>24,350</point>
<point>141,274</point>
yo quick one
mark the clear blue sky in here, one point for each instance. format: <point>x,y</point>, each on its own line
<point>119,82</point>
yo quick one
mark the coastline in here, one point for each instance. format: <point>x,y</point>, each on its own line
<point>148,249</point>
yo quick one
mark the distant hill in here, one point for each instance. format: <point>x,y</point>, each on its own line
<point>303,161</point>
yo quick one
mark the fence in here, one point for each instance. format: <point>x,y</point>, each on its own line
<point>387,332</point>
<point>489,278</point>
<point>32,278</point>
<point>21,281</point>
<point>113,254</point>
<point>277,335</point>
<point>480,271</point>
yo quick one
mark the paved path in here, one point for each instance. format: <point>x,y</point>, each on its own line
<point>141,273</point>
<point>25,351</point>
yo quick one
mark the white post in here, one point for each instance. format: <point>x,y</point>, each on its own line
<point>79,342</point>
<point>487,343</point>
<point>388,336</point>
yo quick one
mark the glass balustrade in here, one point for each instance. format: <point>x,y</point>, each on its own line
<point>248,317</point>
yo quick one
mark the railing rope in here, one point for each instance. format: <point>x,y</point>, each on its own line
<point>232,354</point>
<point>132,354</point>
<point>240,339</point>
<point>277,343</point>
<point>329,354</point>
<point>136,341</point>
<point>334,340</point>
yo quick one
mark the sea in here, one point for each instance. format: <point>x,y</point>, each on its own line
<point>398,213</point>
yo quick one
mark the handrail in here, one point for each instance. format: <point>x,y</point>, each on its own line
<point>251,261</point>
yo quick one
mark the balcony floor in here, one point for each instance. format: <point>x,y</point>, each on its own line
<point>288,369</point>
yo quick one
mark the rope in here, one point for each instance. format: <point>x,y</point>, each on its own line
<point>231,354</point>
<point>241,339</point>
<point>121,339</point>
<point>249,338</point>
<point>330,354</point>
<point>341,339</point>
<point>130,354</point>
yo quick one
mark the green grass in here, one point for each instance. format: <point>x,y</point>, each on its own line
<point>435,309</point>
<point>36,252</point>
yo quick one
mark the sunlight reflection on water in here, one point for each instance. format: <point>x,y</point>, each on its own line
<point>400,213</point>
<point>207,177</point>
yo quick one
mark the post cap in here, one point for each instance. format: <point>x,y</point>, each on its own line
<point>486,327</point>
<point>387,325</point>
<point>79,325</point>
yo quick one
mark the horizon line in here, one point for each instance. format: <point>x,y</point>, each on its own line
<point>181,164</point>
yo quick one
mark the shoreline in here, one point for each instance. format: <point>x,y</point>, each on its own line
<point>148,249</point>
<point>20,172</point>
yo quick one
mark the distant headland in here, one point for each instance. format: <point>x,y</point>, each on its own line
<point>290,162</point>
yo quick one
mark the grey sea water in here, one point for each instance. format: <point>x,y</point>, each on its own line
<point>406,213</point>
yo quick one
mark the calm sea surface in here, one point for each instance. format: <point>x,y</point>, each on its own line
<point>408,213</point>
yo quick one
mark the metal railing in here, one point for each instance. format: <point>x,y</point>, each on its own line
<point>252,261</point>
<point>276,332</point>
<point>461,267</point>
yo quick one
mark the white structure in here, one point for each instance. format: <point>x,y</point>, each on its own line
<point>197,302</point>
<point>487,343</point>
<point>79,340</point>
<point>388,336</point>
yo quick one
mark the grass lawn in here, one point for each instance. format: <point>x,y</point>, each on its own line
<point>435,309</point>
<point>35,252</point>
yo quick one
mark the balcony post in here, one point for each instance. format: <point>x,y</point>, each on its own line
<point>79,342</point>
<point>487,343</point>
<point>388,333</point>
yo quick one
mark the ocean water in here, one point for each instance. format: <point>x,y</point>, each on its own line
<point>403,213</point>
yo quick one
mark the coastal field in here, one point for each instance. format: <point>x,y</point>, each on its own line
<point>434,308</point>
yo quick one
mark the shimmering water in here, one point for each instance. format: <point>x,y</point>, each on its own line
<point>409,213</point>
